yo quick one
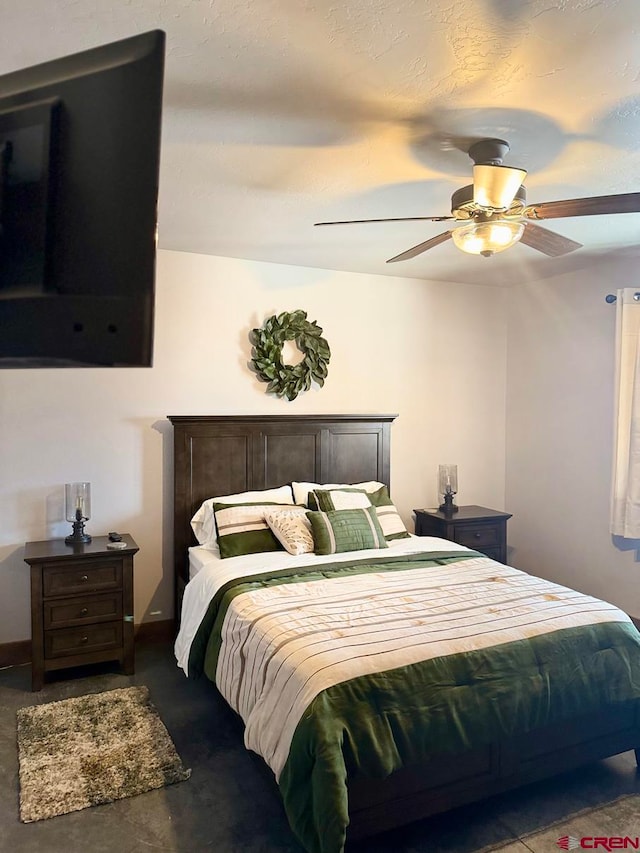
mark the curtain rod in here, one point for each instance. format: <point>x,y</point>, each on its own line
<point>611,297</point>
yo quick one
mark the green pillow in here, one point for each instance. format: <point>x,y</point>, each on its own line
<point>334,499</point>
<point>388,516</point>
<point>346,530</point>
<point>243,529</point>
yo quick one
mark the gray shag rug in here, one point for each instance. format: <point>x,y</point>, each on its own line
<point>90,750</point>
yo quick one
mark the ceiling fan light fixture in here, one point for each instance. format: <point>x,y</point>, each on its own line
<point>494,187</point>
<point>487,238</point>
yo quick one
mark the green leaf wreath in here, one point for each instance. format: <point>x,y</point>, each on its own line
<point>287,380</point>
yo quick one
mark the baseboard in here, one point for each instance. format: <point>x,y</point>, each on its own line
<point>164,629</point>
<point>15,654</point>
<point>18,654</point>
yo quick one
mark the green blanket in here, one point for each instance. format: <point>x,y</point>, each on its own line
<point>373,725</point>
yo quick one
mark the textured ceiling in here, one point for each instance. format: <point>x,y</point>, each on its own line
<point>280,113</point>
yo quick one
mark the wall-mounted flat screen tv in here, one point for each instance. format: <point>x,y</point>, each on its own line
<point>79,166</point>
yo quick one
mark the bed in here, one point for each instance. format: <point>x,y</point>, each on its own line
<point>502,741</point>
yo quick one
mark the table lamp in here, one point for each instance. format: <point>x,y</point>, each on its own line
<point>77,501</point>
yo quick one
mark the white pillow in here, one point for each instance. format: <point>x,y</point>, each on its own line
<point>292,529</point>
<point>301,490</point>
<point>203,522</point>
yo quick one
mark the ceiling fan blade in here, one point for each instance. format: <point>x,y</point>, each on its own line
<point>421,247</point>
<point>547,242</point>
<point>399,219</point>
<point>599,204</point>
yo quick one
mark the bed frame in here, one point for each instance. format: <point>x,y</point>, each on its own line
<point>217,455</point>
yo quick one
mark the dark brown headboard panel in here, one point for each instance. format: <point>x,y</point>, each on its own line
<point>221,455</point>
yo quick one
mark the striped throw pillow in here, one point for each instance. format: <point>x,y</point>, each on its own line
<point>346,530</point>
<point>388,516</point>
<point>203,522</point>
<point>326,500</point>
<point>301,490</point>
<point>243,529</point>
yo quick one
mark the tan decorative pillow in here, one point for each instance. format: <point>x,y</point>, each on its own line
<point>292,529</point>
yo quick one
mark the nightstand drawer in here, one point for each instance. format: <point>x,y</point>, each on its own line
<point>67,612</point>
<point>478,536</point>
<point>75,641</point>
<point>66,579</point>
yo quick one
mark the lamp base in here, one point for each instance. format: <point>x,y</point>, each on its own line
<point>448,507</point>
<point>78,537</point>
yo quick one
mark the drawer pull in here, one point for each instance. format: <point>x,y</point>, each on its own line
<point>84,577</point>
<point>84,640</point>
<point>84,611</point>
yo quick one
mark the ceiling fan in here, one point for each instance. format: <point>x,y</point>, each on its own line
<point>496,212</point>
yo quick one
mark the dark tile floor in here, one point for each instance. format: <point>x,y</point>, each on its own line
<point>229,806</point>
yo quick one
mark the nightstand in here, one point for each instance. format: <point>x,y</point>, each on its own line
<point>81,605</point>
<point>476,527</point>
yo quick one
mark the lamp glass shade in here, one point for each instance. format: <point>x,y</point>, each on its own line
<point>77,501</point>
<point>494,187</point>
<point>447,479</point>
<point>487,238</point>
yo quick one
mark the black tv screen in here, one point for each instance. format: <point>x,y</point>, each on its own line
<point>79,166</point>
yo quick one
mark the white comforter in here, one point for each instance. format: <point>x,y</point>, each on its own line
<point>282,645</point>
<point>209,572</point>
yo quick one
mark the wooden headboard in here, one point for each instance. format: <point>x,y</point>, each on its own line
<point>225,454</point>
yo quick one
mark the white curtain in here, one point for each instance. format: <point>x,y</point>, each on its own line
<point>625,490</point>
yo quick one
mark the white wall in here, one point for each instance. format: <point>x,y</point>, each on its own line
<point>432,352</point>
<point>560,361</point>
